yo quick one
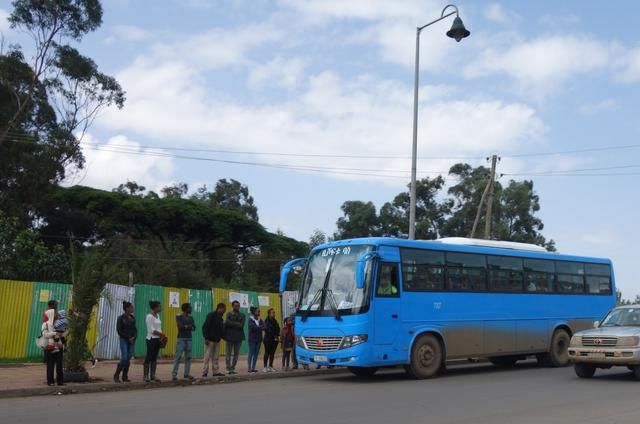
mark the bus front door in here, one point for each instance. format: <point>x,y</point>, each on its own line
<point>387,303</point>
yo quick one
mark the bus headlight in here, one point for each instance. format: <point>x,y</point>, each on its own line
<point>576,341</point>
<point>300,342</point>
<point>350,341</point>
<point>628,341</point>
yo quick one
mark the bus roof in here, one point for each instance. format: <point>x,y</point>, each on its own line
<point>460,244</point>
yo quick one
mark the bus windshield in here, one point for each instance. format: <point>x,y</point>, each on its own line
<point>330,282</point>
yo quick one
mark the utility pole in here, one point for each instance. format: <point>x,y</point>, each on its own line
<point>479,211</point>
<point>491,186</point>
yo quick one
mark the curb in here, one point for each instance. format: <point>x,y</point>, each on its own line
<point>113,387</point>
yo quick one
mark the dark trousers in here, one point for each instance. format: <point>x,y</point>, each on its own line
<point>54,360</point>
<point>153,349</point>
<point>294,358</point>
<point>270,347</point>
<point>286,357</point>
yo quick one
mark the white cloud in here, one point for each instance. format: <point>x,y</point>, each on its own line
<point>106,169</point>
<point>169,101</point>
<point>540,66</point>
<point>597,107</point>
<point>127,33</point>
<point>495,12</point>
<point>628,66</point>
<point>363,9</point>
<point>217,47</point>
<point>285,73</point>
<point>559,20</point>
<point>4,23</point>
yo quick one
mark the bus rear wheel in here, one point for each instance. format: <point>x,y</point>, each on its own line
<point>426,358</point>
<point>558,355</point>
<point>363,372</point>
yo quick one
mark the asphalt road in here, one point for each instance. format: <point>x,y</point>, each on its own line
<point>464,394</point>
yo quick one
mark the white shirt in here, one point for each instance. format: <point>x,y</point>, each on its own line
<point>153,324</point>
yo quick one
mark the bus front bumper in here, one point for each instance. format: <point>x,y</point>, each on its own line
<point>356,356</point>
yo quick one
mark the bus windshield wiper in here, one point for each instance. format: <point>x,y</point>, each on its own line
<point>332,303</point>
<point>327,294</point>
<point>306,312</point>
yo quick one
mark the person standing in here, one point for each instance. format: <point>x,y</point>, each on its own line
<point>294,357</point>
<point>271,338</point>
<point>53,351</point>
<point>288,342</point>
<point>186,325</point>
<point>256,328</point>
<point>155,337</point>
<point>233,335</point>
<point>127,331</point>
<point>213,330</point>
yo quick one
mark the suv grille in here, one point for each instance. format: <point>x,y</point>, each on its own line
<point>597,341</point>
<point>323,344</point>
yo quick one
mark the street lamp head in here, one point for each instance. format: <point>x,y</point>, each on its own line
<point>458,31</point>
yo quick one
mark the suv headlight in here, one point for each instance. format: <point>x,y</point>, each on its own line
<point>576,341</point>
<point>628,341</point>
<point>350,341</point>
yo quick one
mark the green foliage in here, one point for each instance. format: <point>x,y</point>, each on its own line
<point>24,256</point>
<point>450,215</point>
<point>317,238</point>
<point>90,272</point>
<point>49,101</point>
<point>230,195</point>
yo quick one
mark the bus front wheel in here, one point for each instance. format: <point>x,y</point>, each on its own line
<point>426,357</point>
<point>363,372</point>
<point>558,355</point>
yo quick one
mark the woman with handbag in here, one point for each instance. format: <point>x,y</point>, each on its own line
<point>155,341</point>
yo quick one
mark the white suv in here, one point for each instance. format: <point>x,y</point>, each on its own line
<point>615,341</point>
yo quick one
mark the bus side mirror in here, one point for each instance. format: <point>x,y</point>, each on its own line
<point>361,268</point>
<point>286,269</point>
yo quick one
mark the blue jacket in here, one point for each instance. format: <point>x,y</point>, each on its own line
<point>255,330</point>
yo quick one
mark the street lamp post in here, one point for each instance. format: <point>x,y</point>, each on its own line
<point>457,32</point>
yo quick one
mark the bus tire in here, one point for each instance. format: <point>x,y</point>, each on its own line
<point>636,372</point>
<point>584,370</point>
<point>426,357</point>
<point>363,372</point>
<point>558,355</point>
<point>504,361</point>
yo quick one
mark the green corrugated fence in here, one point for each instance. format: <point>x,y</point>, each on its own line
<point>23,303</point>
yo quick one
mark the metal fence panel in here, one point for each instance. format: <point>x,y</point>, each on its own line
<point>201,304</point>
<point>143,294</point>
<point>15,306</point>
<point>289,303</point>
<point>109,309</point>
<point>173,299</point>
<point>42,293</point>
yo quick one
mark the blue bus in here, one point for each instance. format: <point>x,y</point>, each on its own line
<point>381,302</point>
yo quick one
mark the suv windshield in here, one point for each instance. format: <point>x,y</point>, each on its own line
<point>622,317</point>
<point>333,269</point>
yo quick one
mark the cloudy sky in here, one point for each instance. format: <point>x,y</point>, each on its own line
<point>333,80</point>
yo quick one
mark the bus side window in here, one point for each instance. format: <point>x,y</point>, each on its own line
<point>388,281</point>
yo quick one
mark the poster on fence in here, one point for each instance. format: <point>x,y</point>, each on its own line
<point>263,300</point>
<point>243,298</point>
<point>174,299</point>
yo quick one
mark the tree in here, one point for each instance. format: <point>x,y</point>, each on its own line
<point>130,188</point>
<point>23,255</point>
<point>47,105</point>
<point>90,272</point>
<point>317,238</point>
<point>176,191</point>
<point>230,195</point>
<point>430,213</point>
<point>359,220</point>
